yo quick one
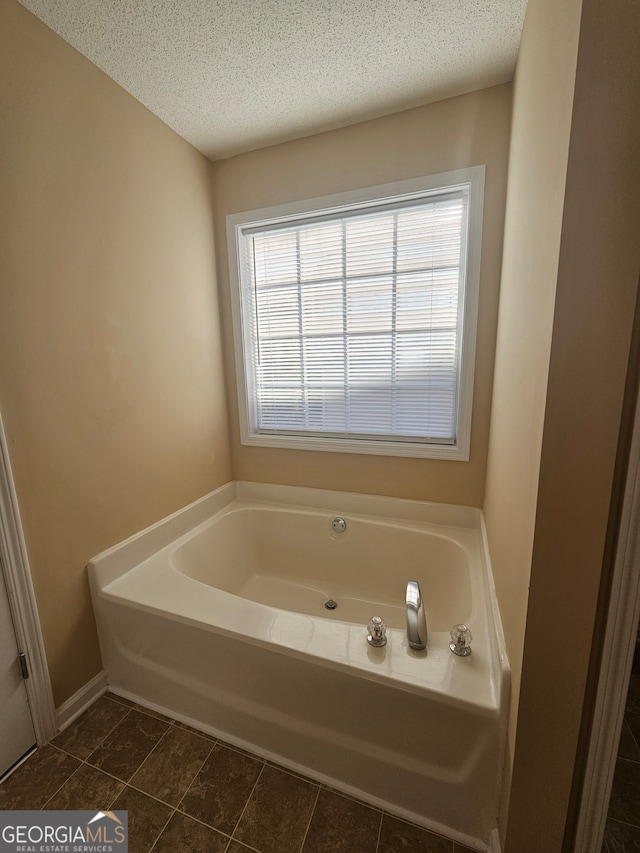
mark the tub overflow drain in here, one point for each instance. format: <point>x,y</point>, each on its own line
<point>339,525</point>
<point>331,604</point>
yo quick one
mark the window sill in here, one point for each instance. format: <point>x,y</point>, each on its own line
<point>370,447</point>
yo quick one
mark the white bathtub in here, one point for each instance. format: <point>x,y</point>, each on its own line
<point>216,616</point>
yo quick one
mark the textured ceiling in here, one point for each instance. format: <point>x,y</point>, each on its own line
<point>233,75</point>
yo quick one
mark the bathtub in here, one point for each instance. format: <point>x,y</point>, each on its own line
<point>216,616</point>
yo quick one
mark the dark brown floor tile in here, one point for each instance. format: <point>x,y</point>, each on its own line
<point>120,699</point>
<point>124,750</point>
<point>89,730</point>
<point>346,796</point>
<point>624,804</point>
<point>172,765</point>
<point>87,789</point>
<point>628,748</point>
<point>633,722</point>
<point>236,847</point>
<point>340,824</point>
<point>153,713</point>
<point>621,838</point>
<point>397,836</point>
<point>147,818</point>
<point>291,772</point>
<point>135,706</point>
<point>194,731</point>
<point>633,696</point>
<point>221,789</point>
<point>241,750</point>
<point>460,848</point>
<point>37,780</point>
<point>185,835</point>
<point>277,815</point>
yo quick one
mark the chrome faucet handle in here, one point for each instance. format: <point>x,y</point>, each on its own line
<point>377,632</point>
<point>461,640</point>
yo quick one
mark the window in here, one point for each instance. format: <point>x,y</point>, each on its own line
<point>355,318</point>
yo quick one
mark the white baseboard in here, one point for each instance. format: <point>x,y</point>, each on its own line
<point>81,700</point>
<point>494,842</point>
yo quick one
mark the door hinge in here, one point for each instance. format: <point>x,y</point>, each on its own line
<point>24,669</point>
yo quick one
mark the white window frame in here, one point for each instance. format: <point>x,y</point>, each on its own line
<point>471,178</point>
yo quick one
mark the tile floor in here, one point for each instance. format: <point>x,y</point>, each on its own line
<point>186,791</point>
<point>622,834</point>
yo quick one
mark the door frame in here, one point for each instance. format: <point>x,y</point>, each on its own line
<point>618,648</point>
<point>22,602</point>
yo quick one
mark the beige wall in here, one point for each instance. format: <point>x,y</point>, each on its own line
<point>542,103</point>
<point>464,131</point>
<point>110,368</point>
<point>596,292</point>
<point>570,277</point>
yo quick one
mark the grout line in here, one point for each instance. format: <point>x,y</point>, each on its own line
<point>336,792</point>
<point>113,799</point>
<point>119,779</point>
<point>627,760</point>
<point>379,832</point>
<point>128,783</point>
<point>123,782</point>
<point>185,727</point>
<point>112,729</point>
<point>171,814</point>
<point>242,845</point>
<point>134,706</point>
<point>65,751</point>
<point>226,745</point>
<point>623,822</point>
<point>190,786</point>
<point>119,699</point>
<point>151,796</point>
<point>106,773</point>
<point>247,800</point>
<point>294,773</point>
<point>109,733</point>
<point>148,756</point>
<point>625,722</point>
<point>313,811</point>
<point>164,802</point>
<point>203,823</point>
<point>71,775</point>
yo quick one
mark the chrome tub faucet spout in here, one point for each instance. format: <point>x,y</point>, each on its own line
<point>416,619</point>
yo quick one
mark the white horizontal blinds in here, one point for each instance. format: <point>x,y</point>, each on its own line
<point>355,321</point>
